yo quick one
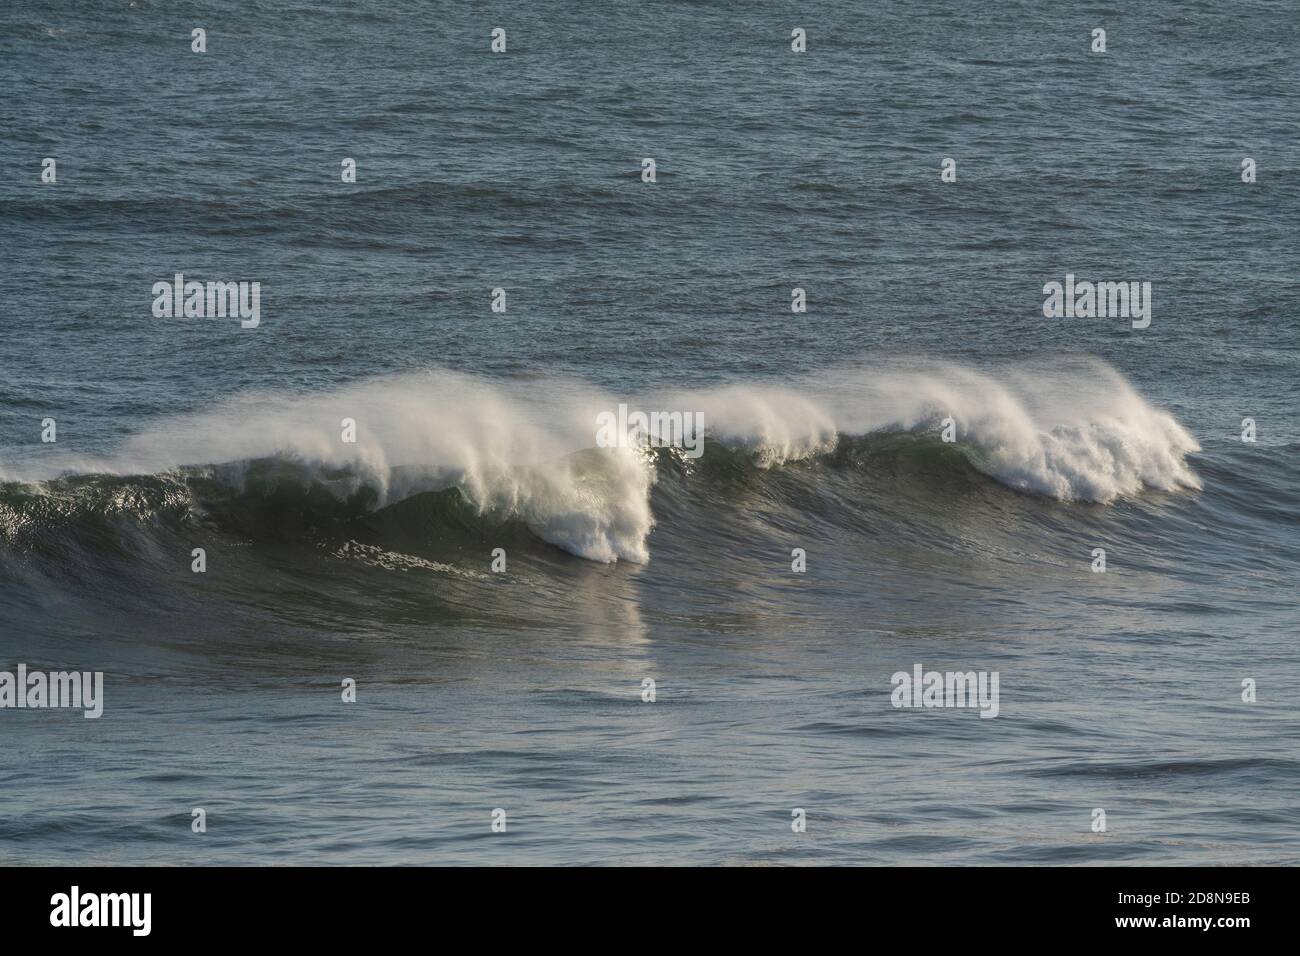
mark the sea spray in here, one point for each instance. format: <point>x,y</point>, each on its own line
<point>1070,429</point>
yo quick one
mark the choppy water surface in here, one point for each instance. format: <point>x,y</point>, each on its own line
<point>522,690</point>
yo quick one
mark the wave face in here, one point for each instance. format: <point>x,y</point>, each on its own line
<point>1072,430</point>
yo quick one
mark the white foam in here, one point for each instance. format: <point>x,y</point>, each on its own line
<point>506,450</point>
<point>1071,430</point>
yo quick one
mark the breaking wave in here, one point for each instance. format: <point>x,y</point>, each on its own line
<point>1071,429</point>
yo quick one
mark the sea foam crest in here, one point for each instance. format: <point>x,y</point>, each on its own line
<point>1072,429</point>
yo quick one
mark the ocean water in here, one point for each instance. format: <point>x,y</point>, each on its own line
<point>522,690</point>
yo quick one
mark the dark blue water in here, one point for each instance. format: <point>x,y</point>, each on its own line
<point>522,690</point>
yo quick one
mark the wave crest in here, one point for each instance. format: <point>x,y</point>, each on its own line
<point>1071,430</point>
